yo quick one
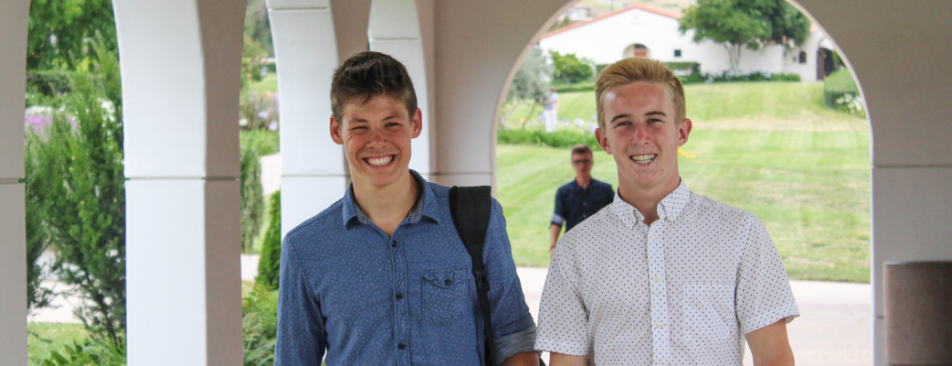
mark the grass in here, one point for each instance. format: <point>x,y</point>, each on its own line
<point>268,83</point>
<point>54,335</point>
<point>769,148</point>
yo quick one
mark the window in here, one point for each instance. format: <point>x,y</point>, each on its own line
<point>803,57</point>
<point>677,53</point>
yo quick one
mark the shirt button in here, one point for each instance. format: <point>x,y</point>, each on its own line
<point>448,282</point>
<point>399,295</point>
<point>401,346</point>
<point>659,326</point>
<point>653,236</point>
<point>656,278</point>
<point>393,244</point>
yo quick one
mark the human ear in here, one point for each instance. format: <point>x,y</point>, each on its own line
<point>336,131</point>
<point>417,121</point>
<point>684,129</point>
<point>602,140</point>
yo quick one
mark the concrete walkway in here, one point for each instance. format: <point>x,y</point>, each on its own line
<point>834,327</point>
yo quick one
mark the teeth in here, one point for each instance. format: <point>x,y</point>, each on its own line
<point>380,161</point>
<point>643,159</point>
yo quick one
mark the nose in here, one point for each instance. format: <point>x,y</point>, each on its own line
<point>641,135</point>
<point>377,137</point>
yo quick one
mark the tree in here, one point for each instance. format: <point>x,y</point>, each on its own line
<point>530,84</point>
<point>571,69</point>
<point>745,23</point>
<point>252,201</point>
<point>269,266</point>
<point>76,187</point>
<point>60,31</point>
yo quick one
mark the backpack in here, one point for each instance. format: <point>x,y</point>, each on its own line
<point>471,208</point>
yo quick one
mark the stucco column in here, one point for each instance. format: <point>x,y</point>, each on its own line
<point>180,63</point>
<point>309,42</point>
<point>907,91</point>
<point>13,30</point>
<point>395,30</point>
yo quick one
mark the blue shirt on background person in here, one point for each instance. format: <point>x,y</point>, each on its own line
<point>369,299</point>
<point>573,204</point>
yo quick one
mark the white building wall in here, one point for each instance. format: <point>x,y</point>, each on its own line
<point>605,40</point>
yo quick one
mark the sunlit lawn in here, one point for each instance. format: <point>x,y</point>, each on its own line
<point>54,336</point>
<point>769,148</point>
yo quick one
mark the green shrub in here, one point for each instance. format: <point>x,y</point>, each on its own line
<point>582,86</point>
<point>725,77</point>
<point>693,67</point>
<point>269,266</point>
<point>88,353</point>
<point>76,188</point>
<point>252,201</point>
<point>258,111</point>
<point>264,142</point>
<point>49,83</point>
<point>838,84</point>
<point>560,138</point>
<point>259,326</point>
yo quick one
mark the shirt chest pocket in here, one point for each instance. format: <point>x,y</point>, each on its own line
<point>445,295</point>
<point>710,322</point>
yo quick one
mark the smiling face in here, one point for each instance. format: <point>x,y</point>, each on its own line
<point>643,135</point>
<point>376,136</point>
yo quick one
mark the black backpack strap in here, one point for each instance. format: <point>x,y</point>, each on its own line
<point>471,208</point>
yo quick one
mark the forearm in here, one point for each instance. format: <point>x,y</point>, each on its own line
<point>558,359</point>
<point>554,232</point>
<point>522,359</point>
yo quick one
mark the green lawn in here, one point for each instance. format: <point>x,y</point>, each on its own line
<point>54,336</point>
<point>769,148</point>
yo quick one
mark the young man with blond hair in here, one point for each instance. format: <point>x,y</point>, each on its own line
<point>381,277</point>
<point>662,276</point>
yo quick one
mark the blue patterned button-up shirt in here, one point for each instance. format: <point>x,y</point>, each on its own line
<point>369,299</point>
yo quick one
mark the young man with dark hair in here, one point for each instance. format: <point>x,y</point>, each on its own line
<point>662,276</point>
<point>381,277</point>
<point>582,197</point>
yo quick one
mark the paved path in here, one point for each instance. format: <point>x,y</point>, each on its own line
<point>834,327</point>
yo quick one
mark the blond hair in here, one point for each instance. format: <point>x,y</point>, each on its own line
<point>637,69</point>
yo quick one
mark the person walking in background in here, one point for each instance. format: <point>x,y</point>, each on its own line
<point>663,276</point>
<point>381,277</point>
<point>550,110</point>
<point>581,198</point>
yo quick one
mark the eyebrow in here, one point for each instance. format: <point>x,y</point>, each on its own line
<point>625,115</point>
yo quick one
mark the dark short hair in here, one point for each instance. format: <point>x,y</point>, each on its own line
<point>581,149</point>
<point>366,75</point>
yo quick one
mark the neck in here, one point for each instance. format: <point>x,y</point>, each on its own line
<point>583,180</point>
<point>646,200</point>
<point>388,205</point>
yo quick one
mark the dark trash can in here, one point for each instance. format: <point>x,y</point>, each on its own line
<point>918,313</point>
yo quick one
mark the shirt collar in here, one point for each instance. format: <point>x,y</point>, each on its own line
<point>426,206</point>
<point>669,208</point>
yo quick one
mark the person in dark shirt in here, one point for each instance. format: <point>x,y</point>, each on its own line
<point>582,197</point>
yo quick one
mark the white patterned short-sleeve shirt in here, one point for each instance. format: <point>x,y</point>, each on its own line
<point>682,291</point>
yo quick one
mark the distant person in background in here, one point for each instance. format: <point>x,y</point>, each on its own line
<point>581,198</point>
<point>550,110</point>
